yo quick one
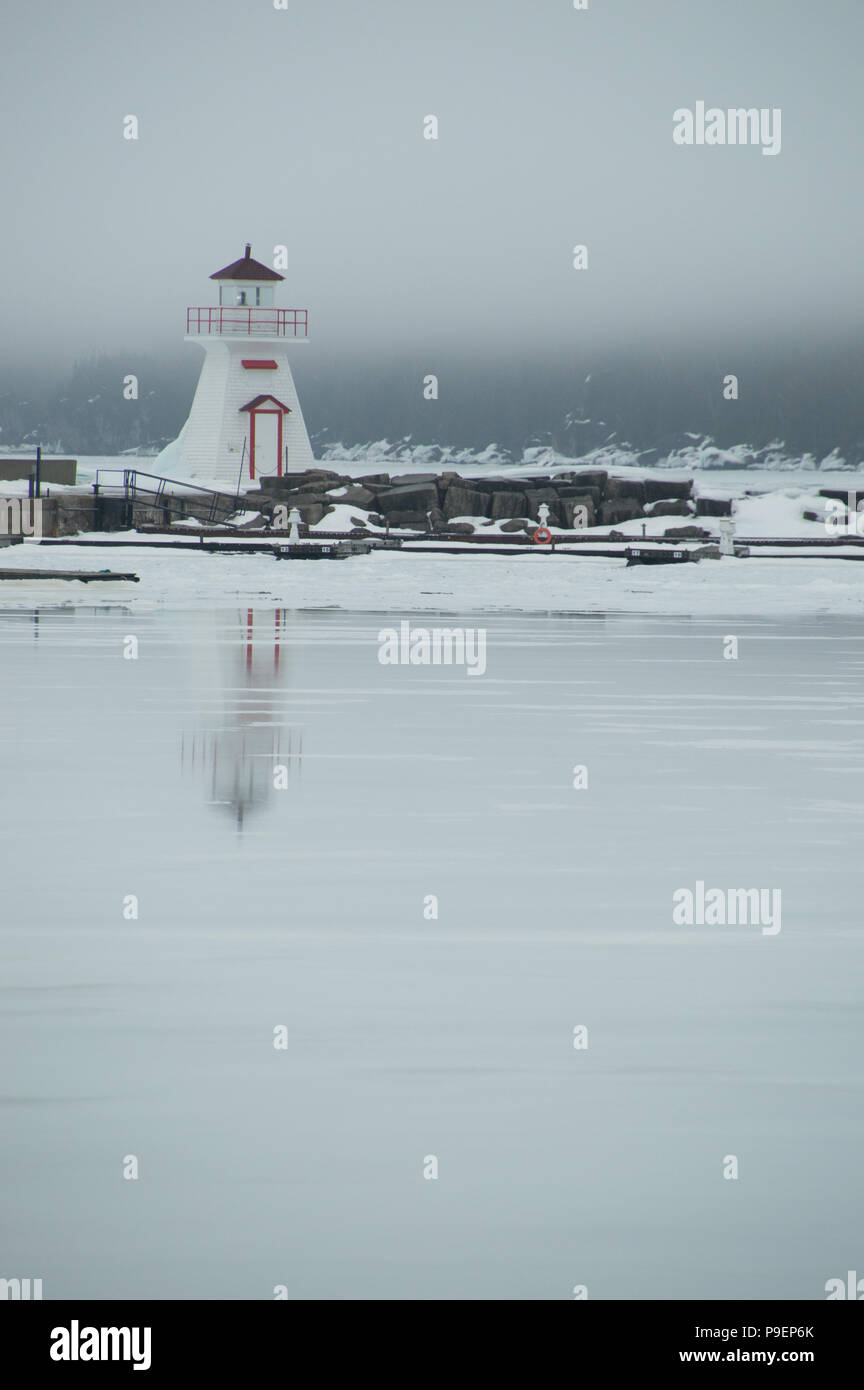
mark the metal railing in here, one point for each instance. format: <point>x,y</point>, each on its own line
<point>131,488</point>
<point>247,323</point>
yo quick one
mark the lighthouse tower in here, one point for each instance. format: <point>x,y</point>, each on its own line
<point>245,423</point>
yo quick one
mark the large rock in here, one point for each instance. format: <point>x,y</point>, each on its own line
<point>500,484</point>
<point>664,489</point>
<point>509,526</point>
<point>669,509</point>
<point>411,521</point>
<point>370,479</point>
<point>313,512</point>
<point>851,495</point>
<point>275,487</point>
<point>621,509</point>
<point>312,506</point>
<point>687,533</point>
<point>460,528</point>
<point>713,506</point>
<point>464,501</point>
<point>534,497</point>
<point>484,485</point>
<point>591,477</point>
<point>574,519</point>
<point>413,479</point>
<point>357,497</point>
<point>304,499</point>
<point>308,478</point>
<point>507,504</point>
<point>619,488</point>
<point>569,490</point>
<point>419,498</point>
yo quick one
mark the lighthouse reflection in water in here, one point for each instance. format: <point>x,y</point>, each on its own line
<point>246,751</point>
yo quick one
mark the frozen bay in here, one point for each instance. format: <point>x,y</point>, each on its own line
<point>302,907</point>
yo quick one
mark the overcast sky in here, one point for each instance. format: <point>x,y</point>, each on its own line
<point>305,127</point>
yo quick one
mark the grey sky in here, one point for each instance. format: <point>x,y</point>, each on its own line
<point>304,127</point>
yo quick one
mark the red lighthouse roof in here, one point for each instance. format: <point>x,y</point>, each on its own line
<point>246,269</point>
<point>256,401</point>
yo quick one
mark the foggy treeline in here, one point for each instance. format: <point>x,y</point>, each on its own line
<point>810,402</point>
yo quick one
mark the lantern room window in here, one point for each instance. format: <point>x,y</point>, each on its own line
<point>234,296</point>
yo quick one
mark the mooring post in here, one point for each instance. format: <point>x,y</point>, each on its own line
<point>727,537</point>
<point>128,499</point>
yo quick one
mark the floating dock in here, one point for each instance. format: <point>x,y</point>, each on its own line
<point>84,576</point>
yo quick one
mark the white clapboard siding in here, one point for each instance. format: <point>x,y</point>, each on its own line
<point>213,439</point>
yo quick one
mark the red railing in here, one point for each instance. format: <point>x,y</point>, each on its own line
<point>250,323</point>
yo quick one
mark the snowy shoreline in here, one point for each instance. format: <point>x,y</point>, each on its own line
<point>766,504</point>
<point>390,582</point>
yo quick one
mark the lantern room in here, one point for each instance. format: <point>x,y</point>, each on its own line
<point>246,284</point>
<point>247,291</point>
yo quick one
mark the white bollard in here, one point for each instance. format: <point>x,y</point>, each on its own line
<point>727,537</point>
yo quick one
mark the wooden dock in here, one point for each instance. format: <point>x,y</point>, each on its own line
<point>84,576</point>
<point>573,544</point>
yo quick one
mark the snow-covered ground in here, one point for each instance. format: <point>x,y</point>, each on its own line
<point>775,510</point>
<point>389,581</point>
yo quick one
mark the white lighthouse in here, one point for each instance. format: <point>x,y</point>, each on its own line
<point>245,423</point>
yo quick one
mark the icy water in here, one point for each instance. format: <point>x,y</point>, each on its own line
<point>305,907</point>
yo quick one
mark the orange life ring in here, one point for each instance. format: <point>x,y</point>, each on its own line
<point>542,536</point>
